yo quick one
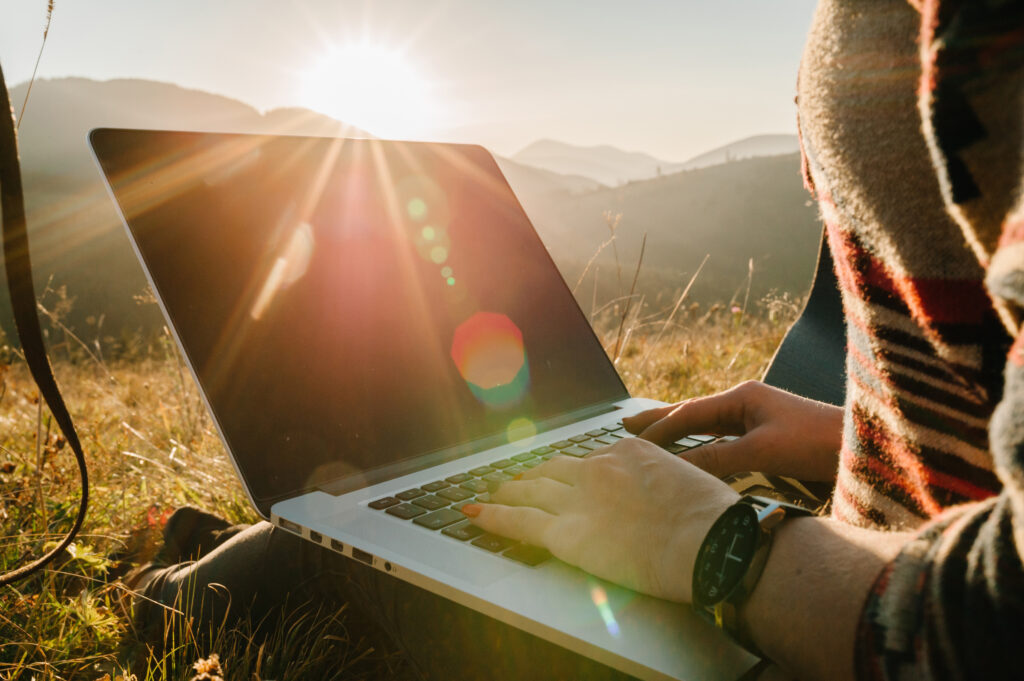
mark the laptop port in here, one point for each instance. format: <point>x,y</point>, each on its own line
<point>337,545</point>
<point>316,536</point>
<point>362,555</point>
<point>290,526</point>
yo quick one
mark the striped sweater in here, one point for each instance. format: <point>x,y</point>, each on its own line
<point>912,126</point>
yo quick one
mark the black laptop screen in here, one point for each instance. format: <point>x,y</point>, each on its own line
<point>351,305</point>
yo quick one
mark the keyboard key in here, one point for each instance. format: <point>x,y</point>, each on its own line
<point>561,444</point>
<point>595,433</point>
<point>676,449</point>
<point>439,519</point>
<point>612,429</point>
<point>431,503</point>
<point>580,438</point>
<point>525,456</point>
<point>532,464</point>
<point>481,471</point>
<point>492,542</point>
<point>503,463</point>
<point>384,503</point>
<point>704,438</point>
<point>406,511</point>
<point>541,451</point>
<point>690,442</point>
<point>495,479</point>
<point>463,531</point>
<point>615,436</point>
<point>590,444</point>
<point>458,506</point>
<point>605,440</point>
<point>524,553</point>
<point>410,494</point>
<point>436,485</point>
<point>455,494</point>
<point>459,478</point>
<point>576,451</point>
<point>515,470</point>
<point>475,486</point>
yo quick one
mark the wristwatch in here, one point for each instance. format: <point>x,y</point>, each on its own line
<point>732,558</point>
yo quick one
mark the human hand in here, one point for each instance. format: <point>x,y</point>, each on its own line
<point>631,513</point>
<point>780,433</point>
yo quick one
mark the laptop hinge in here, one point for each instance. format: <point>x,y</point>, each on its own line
<point>354,482</point>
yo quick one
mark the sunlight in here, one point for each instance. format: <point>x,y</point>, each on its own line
<point>372,87</point>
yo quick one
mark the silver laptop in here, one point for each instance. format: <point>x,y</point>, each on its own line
<point>380,336</point>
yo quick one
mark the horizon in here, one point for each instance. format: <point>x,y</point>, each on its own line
<point>17,102</point>
<point>668,82</point>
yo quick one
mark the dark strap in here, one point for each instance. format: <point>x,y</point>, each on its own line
<point>26,321</point>
<point>811,360</point>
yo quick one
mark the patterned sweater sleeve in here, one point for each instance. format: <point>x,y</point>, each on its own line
<point>951,605</point>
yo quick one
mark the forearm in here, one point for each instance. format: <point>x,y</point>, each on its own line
<point>804,611</point>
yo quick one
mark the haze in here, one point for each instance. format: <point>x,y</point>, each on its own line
<point>672,79</point>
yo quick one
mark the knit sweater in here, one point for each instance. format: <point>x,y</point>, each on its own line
<point>912,120</point>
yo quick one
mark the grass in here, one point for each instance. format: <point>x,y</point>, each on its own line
<point>151,448</point>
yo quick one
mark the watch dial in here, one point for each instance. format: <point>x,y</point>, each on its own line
<point>725,555</point>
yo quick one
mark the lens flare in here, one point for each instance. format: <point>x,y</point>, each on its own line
<point>417,209</point>
<point>600,599</point>
<point>521,430</point>
<point>438,254</point>
<point>288,268</point>
<point>489,353</point>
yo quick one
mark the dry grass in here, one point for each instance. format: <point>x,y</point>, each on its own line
<point>151,448</point>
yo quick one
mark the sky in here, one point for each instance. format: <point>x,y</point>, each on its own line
<point>672,78</point>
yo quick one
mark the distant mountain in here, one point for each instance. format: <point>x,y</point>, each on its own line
<point>608,165</point>
<point>754,209</point>
<point>733,211</point>
<point>531,181</point>
<point>749,147</point>
<point>613,167</point>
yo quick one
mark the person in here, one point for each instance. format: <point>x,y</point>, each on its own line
<point>912,128</point>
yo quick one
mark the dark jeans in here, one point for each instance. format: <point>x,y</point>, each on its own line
<point>251,571</point>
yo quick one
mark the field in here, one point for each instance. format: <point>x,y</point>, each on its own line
<point>151,448</point>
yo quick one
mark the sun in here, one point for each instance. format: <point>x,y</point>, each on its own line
<point>372,87</point>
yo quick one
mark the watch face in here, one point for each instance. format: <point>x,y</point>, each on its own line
<point>725,555</point>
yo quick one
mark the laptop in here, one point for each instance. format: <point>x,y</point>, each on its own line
<point>380,336</point>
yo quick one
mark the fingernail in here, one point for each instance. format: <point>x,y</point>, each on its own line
<point>472,510</point>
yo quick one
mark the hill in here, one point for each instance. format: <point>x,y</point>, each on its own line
<point>734,211</point>
<point>753,209</point>
<point>748,147</point>
<point>613,167</point>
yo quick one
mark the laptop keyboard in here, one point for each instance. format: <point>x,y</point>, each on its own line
<point>436,505</point>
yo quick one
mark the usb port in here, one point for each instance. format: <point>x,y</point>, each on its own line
<point>362,555</point>
<point>337,545</point>
<point>290,526</point>
<point>316,536</point>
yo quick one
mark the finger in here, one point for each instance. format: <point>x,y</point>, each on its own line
<point>724,457</point>
<point>562,468</point>
<point>522,523</point>
<point>543,493</point>
<point>638,422</point>
<point>721,414</point>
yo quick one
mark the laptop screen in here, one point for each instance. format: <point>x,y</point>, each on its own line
<point>351,305</point>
